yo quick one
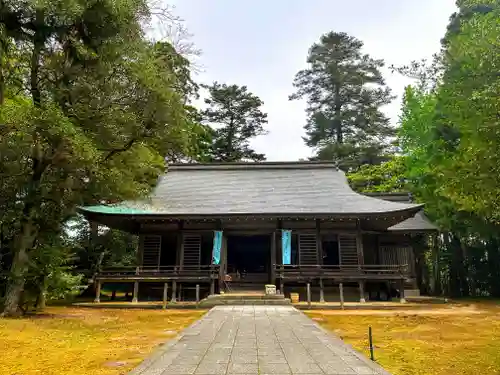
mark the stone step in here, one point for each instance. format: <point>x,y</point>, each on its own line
<point>210,302</point>
<point>246,296</point>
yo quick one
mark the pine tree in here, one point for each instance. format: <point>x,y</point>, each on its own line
<point>345,91</point>
<point>235,116</point>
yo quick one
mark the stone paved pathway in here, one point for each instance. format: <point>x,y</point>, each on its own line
<point>254,340</point>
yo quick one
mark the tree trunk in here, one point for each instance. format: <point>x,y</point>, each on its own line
<point>494,267</point>
<point>437,286</point>
<point>18,269</point>
<point>459,265</point>
<point>24,239</point>
<point>338,114</point>
<point>42,294</point>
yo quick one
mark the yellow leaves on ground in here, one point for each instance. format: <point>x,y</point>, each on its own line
<point>79,341</point>
<point>431,343</point>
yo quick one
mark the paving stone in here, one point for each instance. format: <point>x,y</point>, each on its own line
<point>364,370</point>
<point>243,368</point>
<point>244,359</point>
<point>272,359</point>
<point>179,369</point>
<point>187,359</point>
<point>300,359</point>
<point>335,369</point>
<point>251,340</point>
<point>216,359</point>
<point>211,369</point>
<point>274,368</point>
<point>304,368</point>
<point>269,351</point>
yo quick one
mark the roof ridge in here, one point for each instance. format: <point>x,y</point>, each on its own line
<point>254,165</point>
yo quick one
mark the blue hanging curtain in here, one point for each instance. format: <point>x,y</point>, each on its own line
<point>286,245</point>
<point>217,247</point>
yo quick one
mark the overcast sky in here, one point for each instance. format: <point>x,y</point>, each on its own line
<point>263,43</point>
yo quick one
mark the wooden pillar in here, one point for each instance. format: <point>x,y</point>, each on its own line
<point>402,291</point>
<point>321,291</point>
<point>279,250</point>
<point>319,243</point>
<point>279,254</point>
<point>212,287</point>
<point>181,252</point>
<point>165,295</point>
<point>179,289</point>
<point>362,292</point>
<point>273,258</point>
<point>179,246</point>
<point>223,262</point>
<point>98,292</point>
<point>197,293</point>
<point>308,294</point>
<point>341,290</point>
<point>135,297</point>
<point>359,245</point>
<point>174,292</point>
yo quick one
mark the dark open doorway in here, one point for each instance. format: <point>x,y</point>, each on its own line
<point>249,257</point>
<point>331,252</point>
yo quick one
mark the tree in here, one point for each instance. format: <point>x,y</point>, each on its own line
<point>96,112</point>
<point>235,116</point>
<point>387,177</point>
<point>345,91</point>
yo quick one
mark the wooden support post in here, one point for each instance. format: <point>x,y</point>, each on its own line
<point>174,292</point>
<point>223,263</point>
<point>212,287</point>
<point>362,292</point>
<point>282,282</point>
<point>308,294</point>
<point>273,258</point>
<point>98,292</point>
<point>179,246</point>
<point>359,245</point>
<point>321,291</point>
<point>197,293</point>
<point>179,296</point>
<point>341,289</point>
<point>319,243</point>
<point>135,297</point>
<point>165,295</point>
<point>402,291</point>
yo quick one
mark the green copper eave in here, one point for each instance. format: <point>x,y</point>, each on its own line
<point>116,209</point>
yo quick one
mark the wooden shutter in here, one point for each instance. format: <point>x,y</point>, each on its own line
<point>394,255</point>
<point>192,249</point>
<point>348,250</point>
<point>307,249</point>
<point>151,250</point>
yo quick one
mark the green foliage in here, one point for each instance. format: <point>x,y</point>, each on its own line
<point>345,91</point>
<point>88,116</point>
<point>235,116</point>
<point>387,177</point>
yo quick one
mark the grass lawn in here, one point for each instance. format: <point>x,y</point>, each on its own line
<point>78,341</point>
<point>452,340</point>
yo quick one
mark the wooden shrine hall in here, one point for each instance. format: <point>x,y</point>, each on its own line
<point>282,223</point>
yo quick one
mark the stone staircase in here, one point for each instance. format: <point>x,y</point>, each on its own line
<point>244,298</point>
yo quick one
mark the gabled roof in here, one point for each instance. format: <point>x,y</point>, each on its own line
<point>419,223</point>
<point>268,188</point>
